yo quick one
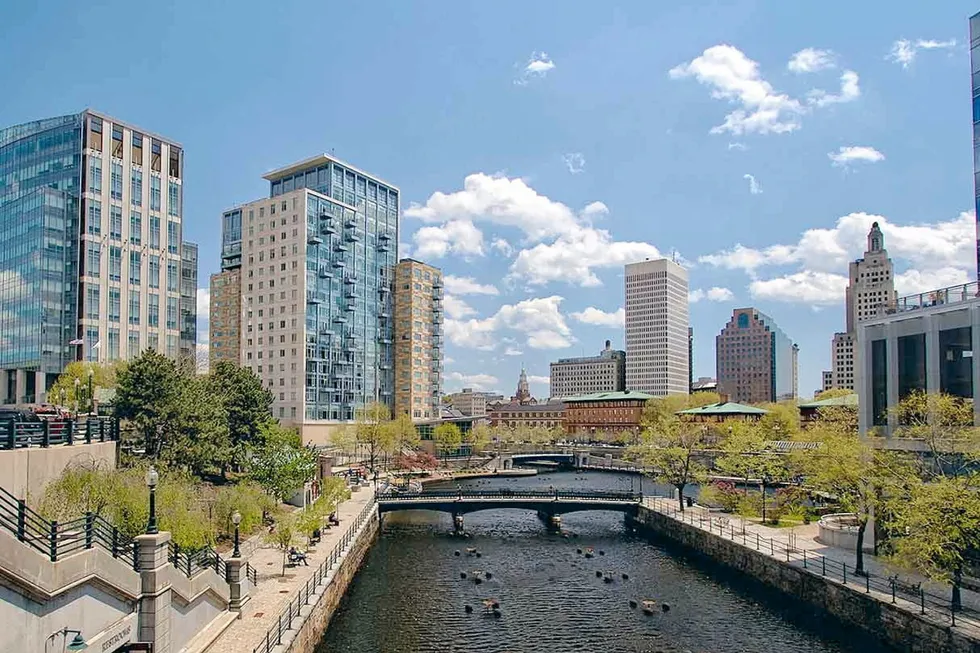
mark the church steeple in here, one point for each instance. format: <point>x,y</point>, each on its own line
<point>523,394</point>
<point>876,239</point>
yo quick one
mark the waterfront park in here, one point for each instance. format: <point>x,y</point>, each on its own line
<point>599,528</point>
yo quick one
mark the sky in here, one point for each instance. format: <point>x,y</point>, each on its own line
<point>541,146</point>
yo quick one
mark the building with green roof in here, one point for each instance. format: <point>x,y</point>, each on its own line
<point>722,412</point>
<point>605,412</point>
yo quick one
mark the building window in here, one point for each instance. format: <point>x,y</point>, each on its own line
<point>153,313</point>
<point>114,304</point>
<point>93,259</point>
<point>154,193</point>
<point>134,344</point>
<point>94,174</point>
<point>172,276</point>
<point>173,199</point>
<point>173,237</point>
<point>911,364</point>
<point>956,362</point>
<point>113,344</point>
<point>154,271</point>
<point>94,219</point>
<point>134,308</point>
<point>136,188</point>
<point>115,222</point>
<point>171,313</point>
<point>92,302</point>
<point>116,183</point>
<point>154,232</point>
<point>135,228</point>
<point>115,263</point>
<point>135,263</point>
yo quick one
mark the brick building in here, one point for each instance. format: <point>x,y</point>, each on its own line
<point>605,412</point>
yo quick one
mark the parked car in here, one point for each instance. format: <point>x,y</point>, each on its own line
<point>8,413</point>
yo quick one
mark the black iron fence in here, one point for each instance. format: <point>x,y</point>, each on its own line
<point>191,563</point>
<point>273,636</point>
<point>59,539</point>
<point>910,594</point>
<point>559,494</point>
<point>83,430</point>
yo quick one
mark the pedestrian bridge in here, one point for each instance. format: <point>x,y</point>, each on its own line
<point>511,460</point>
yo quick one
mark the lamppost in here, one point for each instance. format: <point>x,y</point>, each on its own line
<point>77,643</point>
<point>236,519</point>
<point>78,384</point>
<point>151,482</point>
<point>91,394</point>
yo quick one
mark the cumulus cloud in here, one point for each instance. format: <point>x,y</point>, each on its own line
<point>538,380</point>
<point>539,322</point>
<point>737,146</point>
<point>714,294</point>
<point>574,161</point>
<point>475,381</point>
<point>539,65</point>
<point>467,286</point>
<point>904,51</point>
<point>574,249</point>
<point>933,255</point>
<point>456,308</point>
<point>761,109</point>
<point>844,156</point>
<point>459,237</point>
<point>754,186</point>
<point>502,246</point>
<point>203,321</point>
<point>598,317</point>
<point>811,60</point>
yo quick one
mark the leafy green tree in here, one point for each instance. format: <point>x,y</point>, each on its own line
<point>669,448</point>
<point>832,393</point>
<point>782,422</point>
<point>944,425</point>
<point>747,454</point>
<point>248,405</point>
<point>478,438</point>
<point>283,535</point>
<point>373,429</point>
<point>201,440</point>
<point>62,392</point>
<point>404,434</point>
<point>282,466</point>
<point>447,437</point>
<point>148,394</point>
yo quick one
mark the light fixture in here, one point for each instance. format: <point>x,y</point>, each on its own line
<point>151,482</point>
<point>77,643</point>
<point>236,519</point>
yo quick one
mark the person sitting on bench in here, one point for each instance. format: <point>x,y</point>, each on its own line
<point>295,557</point>
<point>333,519</point>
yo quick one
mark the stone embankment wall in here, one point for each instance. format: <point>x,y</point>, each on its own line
<point>901,629</point>
<point>25,472</point>
<point>315,622</point>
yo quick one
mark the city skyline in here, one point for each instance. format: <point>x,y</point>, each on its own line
<point>593,155</point>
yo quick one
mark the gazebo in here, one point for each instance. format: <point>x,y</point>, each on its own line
<point>722,412</point>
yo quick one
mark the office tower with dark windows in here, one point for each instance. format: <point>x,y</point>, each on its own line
<point>756,361</point>
<point>315,263</point>
<point>975,69</point>
<point>418,339</point>
<point>90,247</point>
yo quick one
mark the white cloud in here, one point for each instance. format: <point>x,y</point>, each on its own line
<point>502,246</point>
<point>737,146</point>
<point>576,246</point>
<point>574,161</point>
<point>933,255</point>
<point>467,286</point>
<point>203,301</point>
<point>203,324</point>
<point>460,237</point>
<point>540,380</point>
<point>754,186</point>
<point>539,65</point>
<point>513,351</point>
<point>850,90</point>
<point>598,317</point>
<point>202,358</point>
<point>904,52</point>
<point>539,320</point>
<point>475,381</point>
<point>714,294</point>
<point>811,60</point>
<point>734,77</point>
<point>456,308</point>
<point>853,153</point>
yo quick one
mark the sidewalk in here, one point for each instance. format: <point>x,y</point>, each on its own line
<point>274,591</point>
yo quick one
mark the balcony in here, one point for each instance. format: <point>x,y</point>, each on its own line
<point>384,236</point>
<point>350,279</point>
<point>352,237</point>
<point>313,298</point>
<point>385,340</point>
<point>325,273</point>
<point>384,312</point>
<point>339,263</point>
<point>350,223</point>
<point>941,297</point>
<point>340,246</point>
<point>437,294</point>
<point>350,293</point>
<point>340,319</point>
<point>437,283</point>
<point>350,307</point>
<point>314,239</point>
<point>328,228</point>
<point>384,247</point>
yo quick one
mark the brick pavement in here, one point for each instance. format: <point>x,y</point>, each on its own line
<point>274,591</point>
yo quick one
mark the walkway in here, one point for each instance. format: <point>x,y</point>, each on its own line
<point>274,591</point>
<point>798,546</point>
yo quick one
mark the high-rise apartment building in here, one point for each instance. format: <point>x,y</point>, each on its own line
<point>188,301</point>
<point>418,339</point>
<point>90,247</point>
<point>870,292</point>
<point>589,374</point>
<point>657,328</point>
<point>975,67</point>
<point>756,361</point>
<point>226,317</point>
<point>315,262</point>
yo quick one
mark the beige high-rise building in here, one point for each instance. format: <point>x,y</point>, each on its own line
<point>418,339</point>
<point>226,317</point>
<point>589,374</point>
<point>471,404</point>
<point>870,292</point>
<point>657,337</point>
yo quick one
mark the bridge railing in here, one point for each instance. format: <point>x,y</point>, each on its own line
<point>575,495</point>
<point>50,433</point>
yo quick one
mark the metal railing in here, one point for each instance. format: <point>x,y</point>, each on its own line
<point>951,295</point>
<point>908,595</point>
<point>273,636</point>
<point>49,433</point>
<point>191,563</point>
<point>251,574</point>
<point>59,539</point>
<point>554,494</point>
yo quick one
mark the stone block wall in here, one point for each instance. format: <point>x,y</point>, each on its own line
<point>902,629</point>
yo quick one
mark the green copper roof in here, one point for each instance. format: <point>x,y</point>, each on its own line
<point>850,401</point>
<point>724,408</point>
<point>609,396</point>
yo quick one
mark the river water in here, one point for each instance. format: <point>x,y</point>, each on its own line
<point>409,596</point>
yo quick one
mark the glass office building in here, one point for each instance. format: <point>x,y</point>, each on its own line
<point>975,69</point>
<point>90,247</point>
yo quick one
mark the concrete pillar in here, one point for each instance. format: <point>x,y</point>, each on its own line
<point>862,379</point>
<point>237,584</point>
<point>3,386</point>
<point>154,605</point>
<point>932,354</point>
<point>974,364</point>
<point>20,386</point>
<point>39,389</point>
<point>891,353</point>
<point>458,523</point>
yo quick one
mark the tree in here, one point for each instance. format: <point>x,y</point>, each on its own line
<point>282,536</point>
<point>148,395</point>
<point>404,434</point>
<point>447,437</point>
<point>669,447</point>
<point>62,391</point>
<point>373,429</point>
<point>782,421</point>
<point>478,438</point>
<point>746,454</point>
<point>942,524</point>
<point>282,466</point>
<point>344,438</point>
<point>832,393</point>
<point>201,440</point>
<point>248,405</point>
<point>944,424</point>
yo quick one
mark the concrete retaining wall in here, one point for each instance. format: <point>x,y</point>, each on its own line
<point>25,472</point>
<point>317,617</point>
<point>899,628</point>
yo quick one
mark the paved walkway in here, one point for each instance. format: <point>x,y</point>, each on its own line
<point>803,537</point>
<point>274,591</point>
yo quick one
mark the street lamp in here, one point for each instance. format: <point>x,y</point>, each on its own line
<point>236,519</point>
<point>76,644</point>
<point>151,482</point>
<point>91,394</point>
<point>78,383</point>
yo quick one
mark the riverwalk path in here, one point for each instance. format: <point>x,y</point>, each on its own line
<point>274,591</point>
<point>799,547</point>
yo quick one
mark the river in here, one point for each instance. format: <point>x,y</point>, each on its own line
<point>409,596</point>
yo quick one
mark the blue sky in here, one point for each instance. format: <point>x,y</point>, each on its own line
<point>544,144</point>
